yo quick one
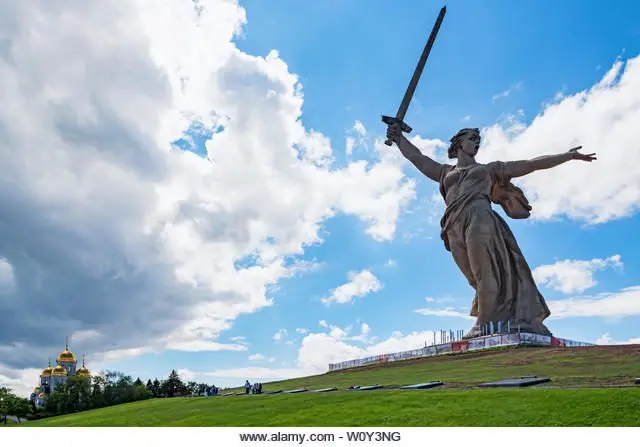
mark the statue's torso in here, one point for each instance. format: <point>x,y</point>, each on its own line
<point>468,182</point>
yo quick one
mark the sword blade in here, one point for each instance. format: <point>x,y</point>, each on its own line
<point>404,105</point>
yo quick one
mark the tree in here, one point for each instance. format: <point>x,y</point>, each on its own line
<point>5,395</point>
<point>21,408</point>
<point>157,388</point>
<point>173,386</point>
<point>192,388</point>
<point>138,382</point>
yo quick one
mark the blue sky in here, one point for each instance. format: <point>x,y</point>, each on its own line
<point>511,68</point>
<point>354,60</point>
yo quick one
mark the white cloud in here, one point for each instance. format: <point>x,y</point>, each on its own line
<point>605,339</point>
<point>253,373</point>
<point>7,281</point>
<point>573,276</point>
<point>137,238</point>
<point>186,375</point>
<point>301,330</point>
<point>358,127</point>
<point>323,323</point>
<point>603,119</point>
<point>360,284</point>
<point>88,334</point>
<point>256,357</point>
<point>391,263</point>
<point>623,303</point>
<point>352,142</point>
<point>446,299</point>
<point>280,334</point>
<point>506,93</point>
<point>337,333</point>
<point>21,382</point>
<point>364,336</point>
<point>444,312</point>
<point>350,145</point>
<point>316,352</point>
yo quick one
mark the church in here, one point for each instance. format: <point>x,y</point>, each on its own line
<point>50,378</point>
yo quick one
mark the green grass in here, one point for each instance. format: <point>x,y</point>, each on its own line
<point>526,407</point>
<point>593,366</point>
<point>585,390</point>
<point>10,423</point>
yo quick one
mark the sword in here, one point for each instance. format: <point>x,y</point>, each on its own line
<point>404,105</point>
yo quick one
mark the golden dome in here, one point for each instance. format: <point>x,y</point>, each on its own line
<point>41,396</point>
<point>36,390</point>
<point>66,356</point>
<point>47,371</point>
<point>59,371</point>
<point>83,371</point>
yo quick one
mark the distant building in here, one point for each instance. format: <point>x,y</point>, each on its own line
<point>51,378</point>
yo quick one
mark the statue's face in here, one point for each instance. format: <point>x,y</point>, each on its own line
<point>470,143</point>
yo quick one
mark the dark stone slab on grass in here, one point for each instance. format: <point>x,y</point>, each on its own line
<point>324,390</point>
<point>296,391</point>
<point>273,392</point>
<point>638,381</point>
<point>369,388</point>
<point>511,383</point>
<point>421,386</point>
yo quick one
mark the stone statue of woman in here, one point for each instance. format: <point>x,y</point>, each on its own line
<point>482,245</point>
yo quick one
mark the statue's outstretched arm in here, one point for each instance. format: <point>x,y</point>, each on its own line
<point>524,167</point>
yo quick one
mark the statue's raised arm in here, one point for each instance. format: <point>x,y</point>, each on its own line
<point>521,168</point>
<point>426,165</point>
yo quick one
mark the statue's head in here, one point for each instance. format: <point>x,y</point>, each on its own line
<point>466,140</point>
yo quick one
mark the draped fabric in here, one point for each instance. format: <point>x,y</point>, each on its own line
<point>485,249</point>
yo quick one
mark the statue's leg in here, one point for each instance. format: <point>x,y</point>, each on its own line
<point>461,258</point>
<point>489,263</point>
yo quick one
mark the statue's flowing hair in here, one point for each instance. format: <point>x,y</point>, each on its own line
<point>457,139</point>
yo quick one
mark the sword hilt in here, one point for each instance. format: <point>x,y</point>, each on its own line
<point>391,120</point>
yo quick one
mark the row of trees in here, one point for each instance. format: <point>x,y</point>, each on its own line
<point>12,405</point>
<point>173,386</point>
<point>114,388</point>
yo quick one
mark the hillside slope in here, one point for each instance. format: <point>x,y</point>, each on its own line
<point>569,400</point>
<point>589,366</point>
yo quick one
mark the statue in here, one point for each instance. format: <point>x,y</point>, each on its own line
<point>480,241</point>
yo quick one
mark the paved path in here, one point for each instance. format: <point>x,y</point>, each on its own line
<point>15,419</point>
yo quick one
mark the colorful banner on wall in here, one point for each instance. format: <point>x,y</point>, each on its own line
<point>536,339</point>
<point>476,343</point>
<point>443,349</point>
<point>460,346</point>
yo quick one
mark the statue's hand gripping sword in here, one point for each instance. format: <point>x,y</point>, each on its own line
<point>404,105</point>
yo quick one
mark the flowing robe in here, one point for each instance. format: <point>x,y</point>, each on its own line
<point>485,249</point>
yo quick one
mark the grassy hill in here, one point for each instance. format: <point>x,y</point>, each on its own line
<point>592,366</point>
<point>590,386</point>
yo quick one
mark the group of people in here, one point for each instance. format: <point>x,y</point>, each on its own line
<point>212,391</point>
<point>256,388</point>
